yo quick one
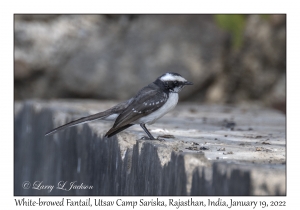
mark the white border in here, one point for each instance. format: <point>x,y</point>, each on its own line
<point>237,6</point>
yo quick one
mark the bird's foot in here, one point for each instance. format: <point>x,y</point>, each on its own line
<point>160,139</point>
<point>147,138</point>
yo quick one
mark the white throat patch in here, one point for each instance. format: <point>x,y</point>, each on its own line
<point>170,77</point>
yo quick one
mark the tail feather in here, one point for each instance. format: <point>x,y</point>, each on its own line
<point>117,109</point>
<point>114,131</point>
<point>77,122</point>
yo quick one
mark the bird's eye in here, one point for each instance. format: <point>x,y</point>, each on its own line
<point>175,83</point>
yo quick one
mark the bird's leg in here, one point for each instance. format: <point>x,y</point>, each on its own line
<point>146,130</point>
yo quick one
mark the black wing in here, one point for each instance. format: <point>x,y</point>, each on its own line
<point>148,100</point>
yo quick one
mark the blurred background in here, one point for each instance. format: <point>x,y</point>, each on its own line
<point>231,59</point>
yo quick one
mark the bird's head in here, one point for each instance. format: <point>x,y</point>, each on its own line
<point>172,82</point>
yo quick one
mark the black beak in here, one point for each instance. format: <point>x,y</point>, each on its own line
<point>188,83</point>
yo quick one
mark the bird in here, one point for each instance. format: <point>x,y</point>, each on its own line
<point>146,107</point>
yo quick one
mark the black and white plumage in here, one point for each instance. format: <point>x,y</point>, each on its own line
<point>150,104</point>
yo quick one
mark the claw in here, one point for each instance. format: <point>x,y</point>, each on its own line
<point>147,138</point>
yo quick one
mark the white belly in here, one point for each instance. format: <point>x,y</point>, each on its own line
<point>168,106</point>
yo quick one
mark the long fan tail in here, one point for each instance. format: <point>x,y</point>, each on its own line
<point>77,122</point>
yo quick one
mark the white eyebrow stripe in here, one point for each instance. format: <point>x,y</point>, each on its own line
<point>170,77</point>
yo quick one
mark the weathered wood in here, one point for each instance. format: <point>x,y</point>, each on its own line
<point>216,150</point>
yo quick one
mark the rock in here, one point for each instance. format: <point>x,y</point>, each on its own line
<point>113,56</point>
<point>83,55</point>
<point>257,70</point>
<point>127,165</point>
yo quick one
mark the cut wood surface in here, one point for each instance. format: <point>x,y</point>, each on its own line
<point>201,150</point>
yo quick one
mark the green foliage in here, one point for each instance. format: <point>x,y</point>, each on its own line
<point>265,16</point>
<point>234,24</point>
